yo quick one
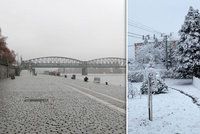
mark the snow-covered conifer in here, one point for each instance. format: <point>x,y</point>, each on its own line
<point>188,49</point>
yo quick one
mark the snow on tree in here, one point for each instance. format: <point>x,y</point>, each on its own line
<point>135,73</point>
<point>161,87</point>
<point>158,84</point>
<point>150,49</point>
<point>188,50</point>
<point>172,54</point>
<point>134,65</point>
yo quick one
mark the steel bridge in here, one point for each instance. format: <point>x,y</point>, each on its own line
<point>64,62</point>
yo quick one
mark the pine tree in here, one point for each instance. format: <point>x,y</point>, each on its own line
<point>188,50</point>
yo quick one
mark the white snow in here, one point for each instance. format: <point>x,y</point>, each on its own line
<point>173,112</point>
<point>185,85</point>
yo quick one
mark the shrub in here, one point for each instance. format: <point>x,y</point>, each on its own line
<point>135,76</point>
<point>161,87</point>
<point>172,74</point>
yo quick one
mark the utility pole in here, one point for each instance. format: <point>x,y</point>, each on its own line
<point>165,40</point>
<point>145,38</point>
<point>170,50</point>
<point>166,52</point>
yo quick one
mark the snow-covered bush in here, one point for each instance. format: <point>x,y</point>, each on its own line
<point>157,84</point>
<point>135,73</point>
<point>169,74</point>
<point>172,74</point>
<point>161,87</point>
<point>165,73</point>
<point>136,76</point>
<point>179,75</point>
<point>133,91</point>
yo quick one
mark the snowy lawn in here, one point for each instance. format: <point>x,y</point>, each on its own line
<point>172,112</point>
<point>186,86</point>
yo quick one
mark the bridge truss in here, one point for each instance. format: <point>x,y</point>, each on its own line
<point>64,62</point>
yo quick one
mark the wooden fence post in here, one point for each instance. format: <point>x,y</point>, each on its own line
<point>150,105</point>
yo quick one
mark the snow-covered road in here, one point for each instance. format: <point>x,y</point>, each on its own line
<point>173,112</point>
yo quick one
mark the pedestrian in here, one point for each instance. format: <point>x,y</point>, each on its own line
<point>86,79</point>
<point>106,83</point>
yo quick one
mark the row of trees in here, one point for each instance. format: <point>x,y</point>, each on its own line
<point>7,56</point>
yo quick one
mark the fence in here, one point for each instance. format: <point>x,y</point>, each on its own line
<point>196,82</point>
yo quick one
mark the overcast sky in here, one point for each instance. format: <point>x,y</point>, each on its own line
<point>81,29</point>
<point>162,15</point>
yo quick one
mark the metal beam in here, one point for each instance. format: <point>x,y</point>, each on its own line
<point>64,62</point>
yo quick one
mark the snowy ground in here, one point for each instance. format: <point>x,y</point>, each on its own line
<point>173,113</point>
<point>185,86</point>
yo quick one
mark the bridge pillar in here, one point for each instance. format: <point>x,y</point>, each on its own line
<point>84,71</point>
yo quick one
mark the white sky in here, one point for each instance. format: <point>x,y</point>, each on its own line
<point>162,15</point>
<point>81,29</point>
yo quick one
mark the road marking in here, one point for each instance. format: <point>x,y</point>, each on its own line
<point>99,93</point>
<point>99,100</point>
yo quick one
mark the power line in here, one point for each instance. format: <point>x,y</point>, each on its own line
<point>145,29</point>
<point>135,34</point>
<point>141,28</point>
<point>144,26</point>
